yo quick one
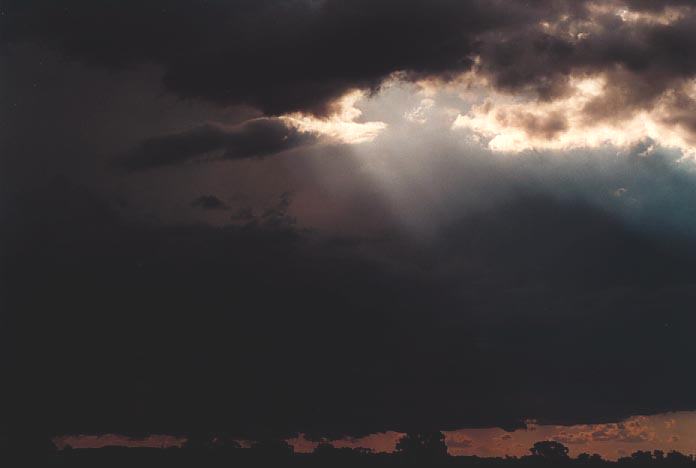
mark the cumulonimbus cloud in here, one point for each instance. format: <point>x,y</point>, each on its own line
<point>289,57</point>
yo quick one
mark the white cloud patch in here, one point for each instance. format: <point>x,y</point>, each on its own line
<point>419,114</point>
<point>342,126</point>
<point>515,124</point>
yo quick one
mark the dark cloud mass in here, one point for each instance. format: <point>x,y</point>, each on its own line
<point>640,60</point>
<point>279,56</point>
<point>539,308</point>
<point>289,55</point>
<point>209,202</point>
<point>254,138</point>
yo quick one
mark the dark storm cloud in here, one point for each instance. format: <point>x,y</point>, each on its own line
<point>546,126</point>
<point>255,138</point>
<point>535,309</point>
<point>655,5</point>
<point>288,55</point>
<point>209,202</point>
<point>640,60</point>
<point>280,56</point>
<point>682,113</point>
<point>276,55</point>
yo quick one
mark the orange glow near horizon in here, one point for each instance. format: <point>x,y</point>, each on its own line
<point>666,432</point>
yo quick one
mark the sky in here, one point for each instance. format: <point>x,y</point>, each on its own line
<point>326,220</point>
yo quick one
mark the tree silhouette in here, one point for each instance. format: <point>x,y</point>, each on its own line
<point>420,445</point>
<point>550,450</point>
<point>224,441</point>
<point>678,458</point>
<point>273,448</point>
<point>587,458</point>
<point>642,456</point>
<point>324,449</point>
<point>414,450</point>
<point>198,441</point>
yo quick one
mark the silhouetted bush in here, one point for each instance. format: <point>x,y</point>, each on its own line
<point>423,450</point>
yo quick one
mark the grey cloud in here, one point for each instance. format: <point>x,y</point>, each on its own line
<point>209,202</point>
<point>255,138</point>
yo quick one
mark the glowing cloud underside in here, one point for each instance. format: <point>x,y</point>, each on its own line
<point>341,126</point>
<point>507,124</point>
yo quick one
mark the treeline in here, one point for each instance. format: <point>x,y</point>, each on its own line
<point>413,450</point>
